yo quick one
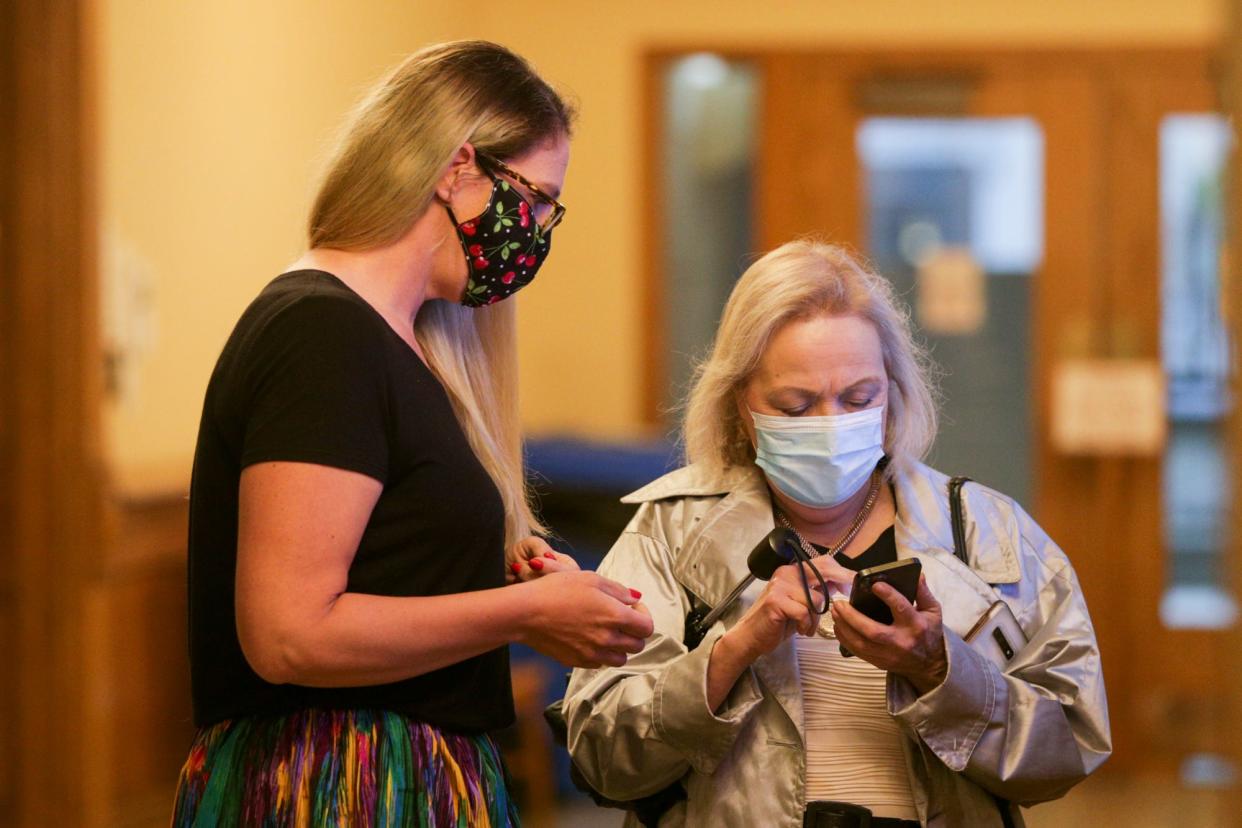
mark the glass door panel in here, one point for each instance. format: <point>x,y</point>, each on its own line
<point>710,110</point>
<point>954,218</point>
<point>1196,356</point>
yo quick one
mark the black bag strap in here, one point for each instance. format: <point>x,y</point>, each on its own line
<point>694,634</point>
<point>959,549</point>
<point>955,515</point>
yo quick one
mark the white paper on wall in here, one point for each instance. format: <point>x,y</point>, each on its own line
<point>1108,407</point>
<point>129,330</point>
<point>952,292</point>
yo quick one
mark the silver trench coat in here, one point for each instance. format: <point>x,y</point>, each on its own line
<point>1026,735</point>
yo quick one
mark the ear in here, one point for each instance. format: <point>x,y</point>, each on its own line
<point>463,162</point>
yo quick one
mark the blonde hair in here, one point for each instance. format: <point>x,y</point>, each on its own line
<point>796,281</point>
<point>382,176</point>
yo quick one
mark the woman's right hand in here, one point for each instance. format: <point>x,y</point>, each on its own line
<point>782,610</point>
<point>585,620</point>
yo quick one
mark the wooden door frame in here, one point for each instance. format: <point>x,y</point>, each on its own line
<point>1190,659</point>
<point>1232,61</point>
<point>50,391</point>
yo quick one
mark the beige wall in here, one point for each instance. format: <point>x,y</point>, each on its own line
<point>213,116</point>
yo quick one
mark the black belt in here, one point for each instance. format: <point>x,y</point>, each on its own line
<point>823,814</point>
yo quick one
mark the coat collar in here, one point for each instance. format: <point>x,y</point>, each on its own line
<point>696,480</point>
<point>714,558</point>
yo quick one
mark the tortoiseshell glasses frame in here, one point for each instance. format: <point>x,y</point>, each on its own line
<point>557,210</point>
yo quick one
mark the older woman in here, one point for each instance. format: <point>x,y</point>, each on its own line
<point>812,413</point>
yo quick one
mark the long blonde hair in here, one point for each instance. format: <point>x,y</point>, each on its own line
<point>800,280</point>
<point>381,177</point>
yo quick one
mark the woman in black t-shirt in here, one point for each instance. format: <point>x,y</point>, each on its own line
<point>358,478</point>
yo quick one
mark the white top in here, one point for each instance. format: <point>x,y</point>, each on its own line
<point>853,746</point>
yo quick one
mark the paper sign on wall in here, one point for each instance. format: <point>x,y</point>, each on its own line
<point>1108,406</point>
<point>952,292</point>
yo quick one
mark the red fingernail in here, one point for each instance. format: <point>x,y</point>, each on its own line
<point>516,567</point>
<point>536,564</point>
<point>549,555</point>
<point>636,594</point>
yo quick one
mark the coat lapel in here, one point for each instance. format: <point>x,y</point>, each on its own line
<point>714,561</point>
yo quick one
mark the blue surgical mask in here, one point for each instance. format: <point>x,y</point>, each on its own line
<point>819,461</point>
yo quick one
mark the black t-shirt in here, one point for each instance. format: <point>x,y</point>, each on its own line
<point>883,550</point>
<point>312,373</point>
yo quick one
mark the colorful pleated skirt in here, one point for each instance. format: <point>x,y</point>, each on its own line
<point>364,768</point>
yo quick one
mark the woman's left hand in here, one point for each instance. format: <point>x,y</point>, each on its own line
<point>532,558</point>
<point>912,646</point>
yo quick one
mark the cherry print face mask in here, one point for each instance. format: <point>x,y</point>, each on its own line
<point>504,246</point>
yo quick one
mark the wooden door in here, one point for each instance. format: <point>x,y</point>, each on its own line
<point>94,703</point>
<point>50,474</point>
<point>1173,680</point>
<point>1233,301</point>
<point>1096,294</point>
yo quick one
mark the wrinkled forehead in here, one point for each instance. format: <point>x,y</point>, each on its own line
<point>822,353</point>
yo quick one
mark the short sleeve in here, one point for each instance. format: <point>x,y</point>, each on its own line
<point>317,383</point>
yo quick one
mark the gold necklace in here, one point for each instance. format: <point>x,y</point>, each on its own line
<point>824,629</point>
<point>873,495</point>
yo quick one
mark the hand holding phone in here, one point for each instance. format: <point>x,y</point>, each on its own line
<point>902,576</point>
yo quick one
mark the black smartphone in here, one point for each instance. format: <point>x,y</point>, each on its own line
<point>902,576</point>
